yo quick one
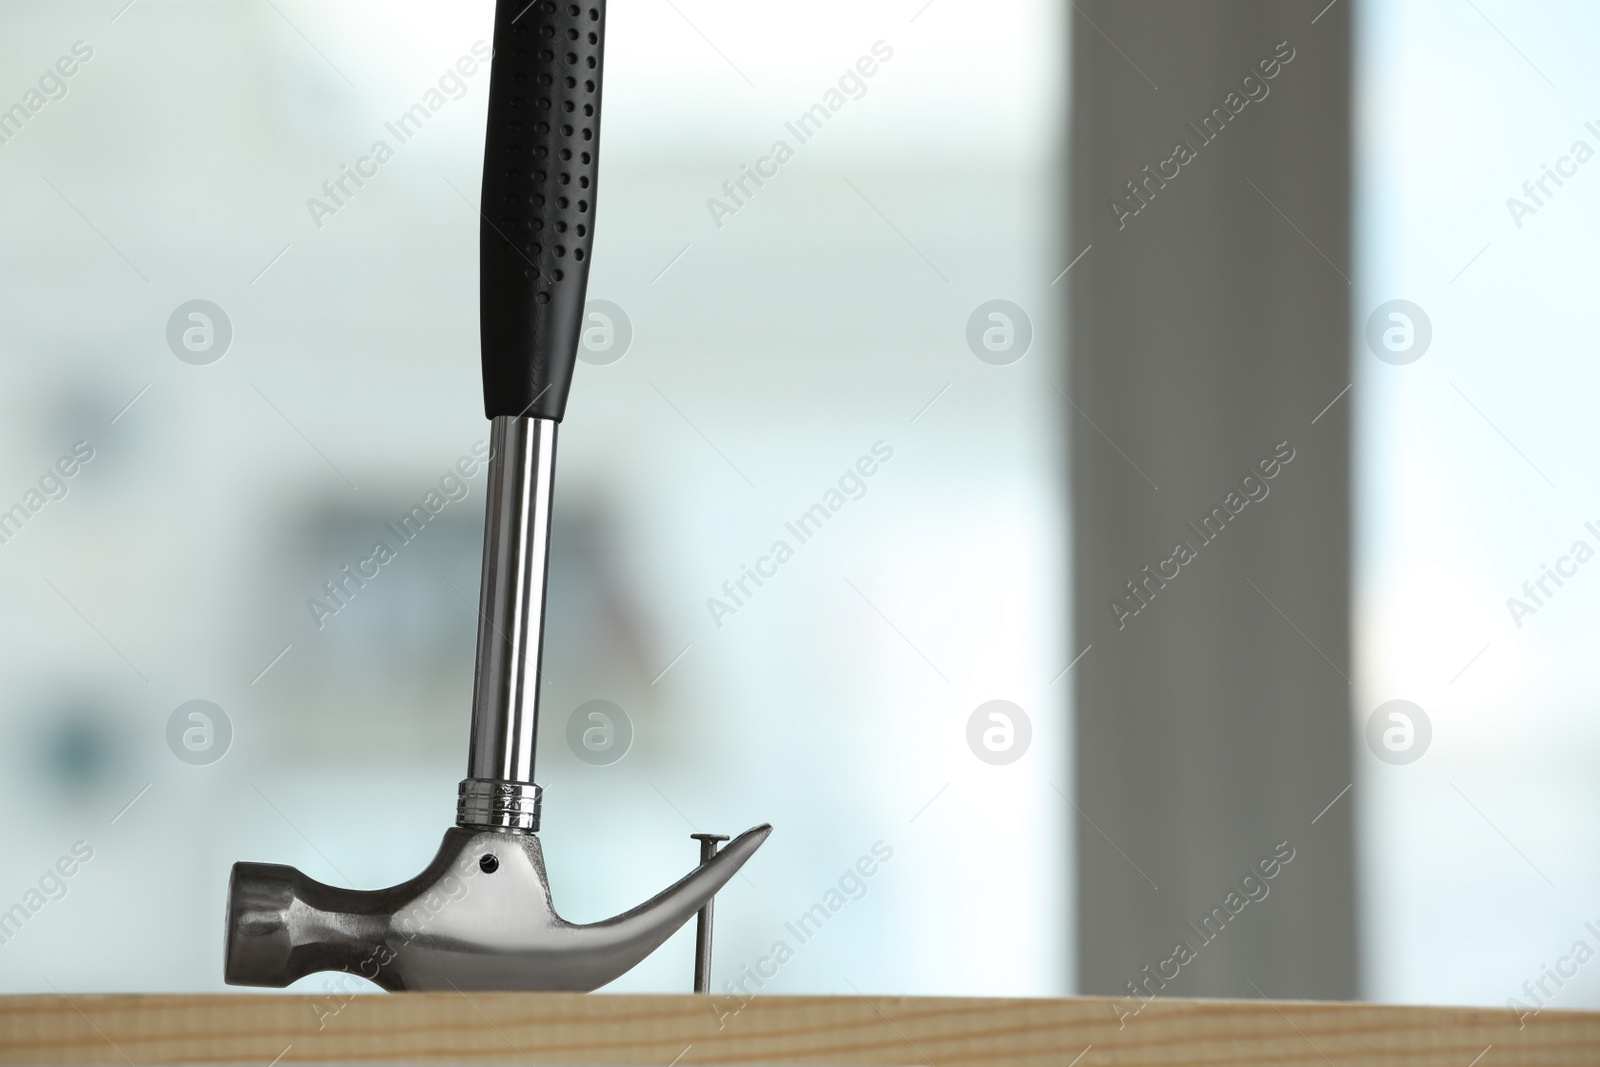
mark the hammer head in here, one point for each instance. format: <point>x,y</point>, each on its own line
<point>479,917</point>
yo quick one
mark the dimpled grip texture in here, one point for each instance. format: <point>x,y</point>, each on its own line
<point>540,165</point>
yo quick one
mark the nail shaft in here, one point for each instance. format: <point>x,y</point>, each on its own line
<point>702,945</point>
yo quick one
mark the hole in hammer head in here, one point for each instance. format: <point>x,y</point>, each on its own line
<point>488,864</point>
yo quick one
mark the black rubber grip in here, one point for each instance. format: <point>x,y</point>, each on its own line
<point>540,169</point>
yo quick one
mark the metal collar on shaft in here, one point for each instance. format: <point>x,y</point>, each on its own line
<point>485,804</point>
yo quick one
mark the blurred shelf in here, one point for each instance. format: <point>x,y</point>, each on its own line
<point>554,1028</point>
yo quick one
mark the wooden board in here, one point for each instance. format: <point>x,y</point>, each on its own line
<point>687,1030</point>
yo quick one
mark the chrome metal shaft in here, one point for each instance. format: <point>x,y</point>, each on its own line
<point>499,790</point>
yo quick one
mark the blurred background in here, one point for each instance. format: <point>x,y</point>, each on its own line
<point>253,375</point>
<point>771,348</point>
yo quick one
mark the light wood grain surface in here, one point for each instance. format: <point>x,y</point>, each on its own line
<point>686,1030</point>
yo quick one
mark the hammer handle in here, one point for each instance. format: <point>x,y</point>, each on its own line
<point>540,171</point>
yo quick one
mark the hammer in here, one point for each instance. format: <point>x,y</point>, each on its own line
<point>480,917</point>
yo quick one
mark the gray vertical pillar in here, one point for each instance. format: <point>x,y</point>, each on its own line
<point>1209,328</point>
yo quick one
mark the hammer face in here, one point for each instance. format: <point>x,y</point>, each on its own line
<point>479,917</point>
